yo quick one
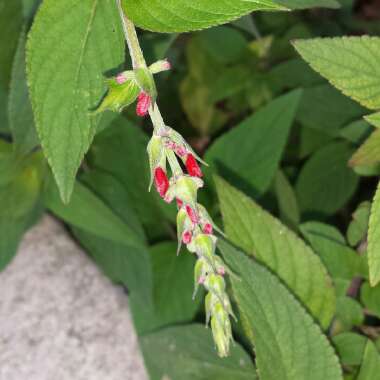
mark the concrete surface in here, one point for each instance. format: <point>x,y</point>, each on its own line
<point>60,318</point>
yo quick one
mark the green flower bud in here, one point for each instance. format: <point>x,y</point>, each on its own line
<point>216,285</point>
<point>183,224</point>
<point>184,188</point>
<point>221,329</point>
<point>206,218</point>
<point>162,65</point>
<point>204,246</point>
<point>202,270</point>
<point>145,81</point>
<point>157,156</point>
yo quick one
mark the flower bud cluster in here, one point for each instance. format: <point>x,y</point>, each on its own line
<point>195,228</point>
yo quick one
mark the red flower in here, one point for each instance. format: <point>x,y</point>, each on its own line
<point>207,228</point>
<point>161,181</point>
<point>179,203</point>
<point>187,237</point>
<point>143,103</point>
<point>192,166</point>
<point>192,214</point>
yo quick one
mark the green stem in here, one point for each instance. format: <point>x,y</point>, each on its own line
<point>130,34</point>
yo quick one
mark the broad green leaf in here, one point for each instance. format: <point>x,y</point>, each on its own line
<point>19,197</point>
<point>70,46</point>
<point>358,227</point>
<point>20,110</point>
<point>370,367</point>
<point>265,238</point>
<point>356,131</point>
<point>350,347</point>
<point>374,240</point>
<point>315,109</point>
<point>286,199</point>
<point>250,153</point>
<point>370,297</point>
<point>183,16</point>
<point>342,262</point>
<point>90,213</point>
<point>369,152</point>
<point>288,344</point>
<point>326,183</point>
<point>349,63</point>
<point>187,353</point>
<point>173,284</point>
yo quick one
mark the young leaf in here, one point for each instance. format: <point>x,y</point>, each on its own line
<point>358,227</point>
<point>369,152</point>
<point>251,152</point>
<point>70,45</point>
<point>370,367</point>
<point>374,119</point>
<point>20,110</point>
<point>349,313</point>
<point>277,325</point>
<point>370,296</point>
<point>350,347</point>
<point>326,183</point>
<point>374,240</point>
<point>350,63</point>
<point>265,238</point>
<point>187,353</point>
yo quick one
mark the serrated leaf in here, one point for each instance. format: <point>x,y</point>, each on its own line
<point>187,353</point>
<point>90,213</point>
<point>374,240</point>
<point>265,238</point>
<point>326,183</point>
<point>119,96</point>
<point>21,119</point>
<point>370,367</point>
<point>349,63</point>
<point>374,119</point>
<point>183,16</point>
<point>369,152</point>
<point>277,325</point>
<point>250,153</point>
<point>70,46</point>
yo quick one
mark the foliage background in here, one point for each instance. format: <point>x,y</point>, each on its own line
<point>280,141</point>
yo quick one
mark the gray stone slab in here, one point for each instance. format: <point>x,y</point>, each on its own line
<point>60,318</point>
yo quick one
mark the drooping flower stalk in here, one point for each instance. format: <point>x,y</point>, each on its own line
<point>195,229</point>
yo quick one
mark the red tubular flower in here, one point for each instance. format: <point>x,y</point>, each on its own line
<point>207,228</point>
<point>192,214</point>
<point>161,181</point>
<point>192,166</point>
<point>179,203</point>
<point>187,237</point>
<point>143,103</point>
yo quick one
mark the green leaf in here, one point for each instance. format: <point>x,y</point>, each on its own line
<point>182,16</point>
<point>173,284</point>
<point>187,353</point>
<point>374,119</point>
<point>90,213</point>
<point>265,238</point>
<point>286,199</point>
<point>92,44</point>
<point>370,367</point>
<point>342,262</point>
<point>370,297</point>
<point>250,153</point>
<point>325,183</point>
<point>369,152</point>
<point>315,109</point>
<point>358,227</point>
<point>374,240</point>
<point>277,325</point>
<point>19,197</point>
<point>349,63</point>
<point>349,313</point>
<point>20,110</point>
<point>119,96</point>
<point>350,347</point>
